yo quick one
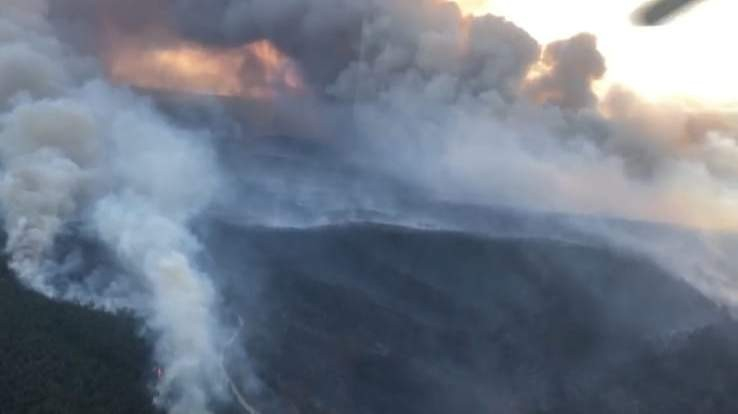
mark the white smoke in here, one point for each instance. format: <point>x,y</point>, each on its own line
<point>160,178</point>
<point>442,100</point>
<point>47,148</point>
<point>74,148</point>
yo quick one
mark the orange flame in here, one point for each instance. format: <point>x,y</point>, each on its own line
<point>156,57</point>
<point>256,70</point>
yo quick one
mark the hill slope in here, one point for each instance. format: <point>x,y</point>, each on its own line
<point>367,318</point>
<point>63,358</point>
<point>379,319</point>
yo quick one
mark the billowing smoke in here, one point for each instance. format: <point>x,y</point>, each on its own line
<point>48,148</point>
<point>468,109</point>
<point>568,70</point>
<point>473,109</point>
<point>74,148</point>
<point>474,105</point>
<point>159,178</point>
<point>470,105</point>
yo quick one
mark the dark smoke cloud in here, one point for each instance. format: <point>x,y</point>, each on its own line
<point>570,68</point>
<point>440,100</point>
<point>337,41</point>
<point>380,42</point>
<point>415,74</point>
<point>323,36</point>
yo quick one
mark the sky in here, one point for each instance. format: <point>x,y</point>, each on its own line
<point>690,59</point>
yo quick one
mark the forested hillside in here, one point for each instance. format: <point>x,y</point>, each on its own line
<point>63,358</point>
<point>383,319</point>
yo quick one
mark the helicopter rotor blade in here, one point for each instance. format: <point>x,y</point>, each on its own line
<point>659,11</point>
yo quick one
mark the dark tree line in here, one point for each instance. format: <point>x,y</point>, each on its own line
<point>64,358</point>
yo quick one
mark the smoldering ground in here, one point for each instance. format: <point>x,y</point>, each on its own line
<point>420,113</point>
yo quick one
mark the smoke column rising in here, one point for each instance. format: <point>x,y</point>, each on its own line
<point>161,177</point>
<point>73,147</point>
<point>471,109</point>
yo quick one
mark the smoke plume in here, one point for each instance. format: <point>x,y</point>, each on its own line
<point>473,109</point>
<point>475,105</point>
<point>75,148</point>
<point>467,109</point>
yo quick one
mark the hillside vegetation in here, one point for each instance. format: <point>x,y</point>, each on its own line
<point>64,358</point>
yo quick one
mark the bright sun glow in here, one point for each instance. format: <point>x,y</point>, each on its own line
<point>691,58</point>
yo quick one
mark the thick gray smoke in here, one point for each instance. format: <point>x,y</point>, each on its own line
<point>479,101</point>
<point>48,148</point>
<point>376,42</point>
<point>468,109</point>
<point>75,148</point>
<point>571,67</point>
<point>474,109</point>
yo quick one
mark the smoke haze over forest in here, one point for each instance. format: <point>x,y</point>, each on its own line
<point>136,125</point>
